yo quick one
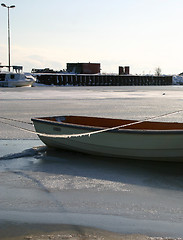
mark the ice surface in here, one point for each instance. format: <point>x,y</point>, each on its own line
<point>135,102</point>
<point>39,185</point>
<point>126,196</point>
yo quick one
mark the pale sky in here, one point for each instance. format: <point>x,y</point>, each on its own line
<point>142,34</point>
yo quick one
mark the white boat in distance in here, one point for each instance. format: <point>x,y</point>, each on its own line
<point>16,79</point>
<point>144,140</point>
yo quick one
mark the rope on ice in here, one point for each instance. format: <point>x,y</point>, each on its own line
<point>15,120</point>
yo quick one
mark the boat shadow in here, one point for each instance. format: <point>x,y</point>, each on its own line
<point>166,175</point>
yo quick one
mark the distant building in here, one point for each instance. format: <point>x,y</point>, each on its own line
<point>83,68</point>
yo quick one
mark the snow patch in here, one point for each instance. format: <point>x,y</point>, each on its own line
<point>26,153</point>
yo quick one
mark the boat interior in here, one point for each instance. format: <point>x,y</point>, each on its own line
<point>109,123</point>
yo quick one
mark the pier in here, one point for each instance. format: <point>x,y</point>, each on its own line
<point>102,80</point>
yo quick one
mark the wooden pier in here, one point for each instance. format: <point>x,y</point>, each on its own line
<point>102,80</point>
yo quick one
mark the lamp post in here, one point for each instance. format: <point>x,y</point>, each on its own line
<point>8,7</point>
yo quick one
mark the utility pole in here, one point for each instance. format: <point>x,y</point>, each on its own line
<point>8,7</point>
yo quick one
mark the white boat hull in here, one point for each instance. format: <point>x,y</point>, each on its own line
<point>134,144</point>
<point>8,79</point>
<point>17,84</point>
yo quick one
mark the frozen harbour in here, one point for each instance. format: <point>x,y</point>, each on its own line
<point>39,185</point>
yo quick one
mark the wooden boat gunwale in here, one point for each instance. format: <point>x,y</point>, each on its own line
<point>45,120</point>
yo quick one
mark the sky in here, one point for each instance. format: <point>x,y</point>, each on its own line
<point>142,34</point>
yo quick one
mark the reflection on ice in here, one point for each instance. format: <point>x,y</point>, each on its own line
<point>89,171</point>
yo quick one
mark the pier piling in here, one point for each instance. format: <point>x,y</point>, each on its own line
<point>102,80</point>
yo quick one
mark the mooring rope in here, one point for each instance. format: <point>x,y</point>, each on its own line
<point>15,120</point>
<point>21,128</point>
<point>88,133</point>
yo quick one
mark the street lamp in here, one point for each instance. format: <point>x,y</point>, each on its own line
<point>8,7</point>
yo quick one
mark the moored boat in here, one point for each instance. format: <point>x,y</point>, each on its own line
<point>16,79</point>
<point>145,140</point>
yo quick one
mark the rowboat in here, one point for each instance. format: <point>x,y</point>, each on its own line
<point>145,140</point>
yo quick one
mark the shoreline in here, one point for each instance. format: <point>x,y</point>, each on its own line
<point>24,231</point>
